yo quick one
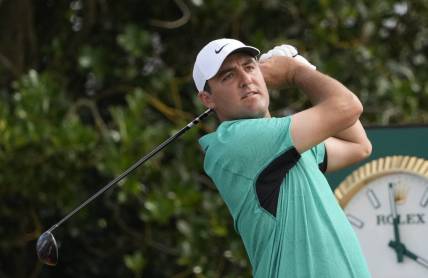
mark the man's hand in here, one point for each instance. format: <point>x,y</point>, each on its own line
<point>279,71</point>
<point>287,51</point>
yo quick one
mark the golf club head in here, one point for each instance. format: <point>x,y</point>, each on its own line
<point>47,250</point>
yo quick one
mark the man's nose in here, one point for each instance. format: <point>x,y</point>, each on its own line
<point>245,78</point>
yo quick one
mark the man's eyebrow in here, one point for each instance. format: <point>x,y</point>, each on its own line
<point>249,61</point>
<point>223,71</point>
<point>227,69</point>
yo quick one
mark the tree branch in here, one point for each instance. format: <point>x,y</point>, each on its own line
<point>99,122</point>
<point>176,23</point>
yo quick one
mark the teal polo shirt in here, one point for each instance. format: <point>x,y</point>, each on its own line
<point>282,205</point>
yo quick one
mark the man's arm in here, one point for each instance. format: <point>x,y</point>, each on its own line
<point>347,147</point>
<point>333,117</point>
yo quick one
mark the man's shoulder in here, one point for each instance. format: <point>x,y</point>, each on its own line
<point>246,131</point>
<point>257,124</point>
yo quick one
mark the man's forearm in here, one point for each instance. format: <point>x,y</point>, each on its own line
<point>282,72</point>
<point>347,147</point>
<point>355,134</point>
<point>318,86</point>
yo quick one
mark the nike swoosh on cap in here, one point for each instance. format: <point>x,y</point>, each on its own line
<point>217,51</point>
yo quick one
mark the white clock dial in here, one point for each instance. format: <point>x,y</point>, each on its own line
<point>386,202</point>
<point>370,213</point>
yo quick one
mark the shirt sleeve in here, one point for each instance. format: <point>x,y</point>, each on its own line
<point>320,154</point>
<point>247,146</point>
<point>259,139</point>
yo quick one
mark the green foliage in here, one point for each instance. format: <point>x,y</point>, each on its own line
<point>89,87</point>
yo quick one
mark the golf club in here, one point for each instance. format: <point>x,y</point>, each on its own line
<point>46,247</point>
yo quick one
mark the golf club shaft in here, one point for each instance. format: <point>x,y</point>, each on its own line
<point>133,167</point>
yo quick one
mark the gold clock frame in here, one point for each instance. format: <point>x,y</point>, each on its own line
<point>375,169</point>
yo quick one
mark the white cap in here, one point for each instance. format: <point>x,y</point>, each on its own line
<point>211,57</point>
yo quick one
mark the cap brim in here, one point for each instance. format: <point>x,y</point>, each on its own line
<point>248,50</point>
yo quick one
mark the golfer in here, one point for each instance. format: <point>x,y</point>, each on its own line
<point>269,170</point>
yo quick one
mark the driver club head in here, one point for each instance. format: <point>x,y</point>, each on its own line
<point>47,249</point>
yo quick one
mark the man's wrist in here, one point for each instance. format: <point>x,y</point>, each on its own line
<point>301,75</point>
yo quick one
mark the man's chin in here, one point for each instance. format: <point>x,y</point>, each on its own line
<point>244,114</point>
<point>255,114</point>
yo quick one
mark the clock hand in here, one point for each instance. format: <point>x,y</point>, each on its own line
<point>395,222</point>
<point>401,247</point>
<point>415,257</point>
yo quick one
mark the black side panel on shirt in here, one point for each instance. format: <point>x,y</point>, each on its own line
<point>323,165</point>
<point>269,181</point>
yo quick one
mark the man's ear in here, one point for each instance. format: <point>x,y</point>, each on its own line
<point>206,99</point>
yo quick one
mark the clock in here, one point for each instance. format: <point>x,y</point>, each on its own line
<point>386,202</point>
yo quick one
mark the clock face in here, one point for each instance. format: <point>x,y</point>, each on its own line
<point>370,213</point>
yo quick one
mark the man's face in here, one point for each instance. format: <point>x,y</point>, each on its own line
<point>238,90</point>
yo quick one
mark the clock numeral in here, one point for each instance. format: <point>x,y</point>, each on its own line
<point>355,221</point>
<point>424,200</point>
<point>373,199</point>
